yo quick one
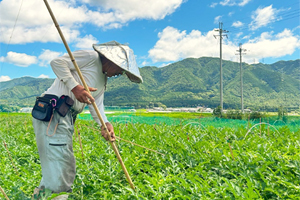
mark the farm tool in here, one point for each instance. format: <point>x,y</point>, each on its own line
<point>2,191</point>
<point>87,89</point>
<point>119,138</point>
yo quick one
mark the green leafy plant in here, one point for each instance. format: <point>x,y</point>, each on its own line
<point>198,162</point>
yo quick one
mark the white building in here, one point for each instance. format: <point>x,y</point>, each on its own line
<point>25,110</point>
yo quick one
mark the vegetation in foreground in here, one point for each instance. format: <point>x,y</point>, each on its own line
<point>200,162</point>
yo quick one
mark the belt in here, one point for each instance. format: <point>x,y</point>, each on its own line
<point>51,96</point>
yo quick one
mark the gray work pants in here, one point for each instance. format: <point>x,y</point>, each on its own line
<point>56,152</point>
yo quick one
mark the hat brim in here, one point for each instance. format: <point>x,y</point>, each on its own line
<point>114,54</point>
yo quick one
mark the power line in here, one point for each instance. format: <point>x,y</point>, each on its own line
<point>283,17</point>
<point>14,27</point>
<point>12,32</point>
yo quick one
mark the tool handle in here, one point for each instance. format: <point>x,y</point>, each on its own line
<point>87,89</point>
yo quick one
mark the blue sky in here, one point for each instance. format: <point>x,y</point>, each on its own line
<point>159,31</point>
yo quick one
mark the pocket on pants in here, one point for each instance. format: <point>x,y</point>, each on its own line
<point>57,149</point>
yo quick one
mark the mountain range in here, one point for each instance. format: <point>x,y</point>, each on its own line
<point>187,83</point>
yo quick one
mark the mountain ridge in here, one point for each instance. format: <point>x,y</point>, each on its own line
<point>189,82</point>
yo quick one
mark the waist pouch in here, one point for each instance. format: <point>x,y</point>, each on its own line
<point>44,106</point>
<point>63,105</point>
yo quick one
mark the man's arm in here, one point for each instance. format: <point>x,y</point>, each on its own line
<point>99,102</point>
<point>63,66</point>
<point>110,129</point>
<point>82,95</point>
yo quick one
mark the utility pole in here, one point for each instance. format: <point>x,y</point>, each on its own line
<point>240,50</point>
<point>221,31</point>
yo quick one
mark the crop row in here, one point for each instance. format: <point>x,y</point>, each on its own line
<point>198,163</point>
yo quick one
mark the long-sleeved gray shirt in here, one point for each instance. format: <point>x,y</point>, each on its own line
<point>67,78</point>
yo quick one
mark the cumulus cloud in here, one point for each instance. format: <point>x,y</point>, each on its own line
<point>174,45</point>
<point>86,42</point>
<point>43,76</point>
<point>270,45</point>
<point>46,56</point>
<point>133,9</point>
<point>19,59</point>
<point>38,34</point>
<point>263,16</point>
<point>4,78</point>
<point>37,26</point>
<point>237,24</point>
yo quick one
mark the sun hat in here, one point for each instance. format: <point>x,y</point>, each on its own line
<point>122,56</point>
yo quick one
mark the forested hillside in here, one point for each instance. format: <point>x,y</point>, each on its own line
<point>189,82</point>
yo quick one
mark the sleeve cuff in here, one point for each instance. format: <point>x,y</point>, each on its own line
<point>71,83</point>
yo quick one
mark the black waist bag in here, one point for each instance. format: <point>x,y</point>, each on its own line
<point>43,108</point>
<point>63,105</point>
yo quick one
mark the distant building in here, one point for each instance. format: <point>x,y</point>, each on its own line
<point>198,109</point>
<point>207,110</point>
<point>25,110</point>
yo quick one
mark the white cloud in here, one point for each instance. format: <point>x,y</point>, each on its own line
<point>132,9</point>
<point>237,24</point>
<point>262,17</point>
<point>270,45</point>
<point>246,37</point>
<point>227,3</point>
<point>174,45</point>
<point>230,14</point>
<point>244,2</point>
<point>19,59</point>
<point>164,64</point>
<point>217,19</point>
<point>4,78</point>
<point>294,29</point>
<point>86,42</point>
<point>43,76</point>
<point>213,5</point>
<point>240,3</point>
<point>46,56</point>
<point>37,26</point>
<point>38,34</point>
<point>239,34</point>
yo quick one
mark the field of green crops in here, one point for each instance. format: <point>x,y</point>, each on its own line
<point>200,162</point>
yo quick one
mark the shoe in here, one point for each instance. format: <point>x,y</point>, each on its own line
<point>61,197</point>
<point>36,192</point>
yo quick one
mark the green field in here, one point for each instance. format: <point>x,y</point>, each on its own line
<point>205,158</point>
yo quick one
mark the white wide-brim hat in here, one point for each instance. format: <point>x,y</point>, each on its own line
<point>122,56</point>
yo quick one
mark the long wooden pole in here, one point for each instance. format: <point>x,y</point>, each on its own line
<point>11,158</point>
<point>2,191</point>
<point>119,138</point>
<point>87,89</point>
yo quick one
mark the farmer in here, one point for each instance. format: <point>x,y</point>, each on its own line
<point>54,138</point>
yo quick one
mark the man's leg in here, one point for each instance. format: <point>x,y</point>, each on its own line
<point>56,152</point>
